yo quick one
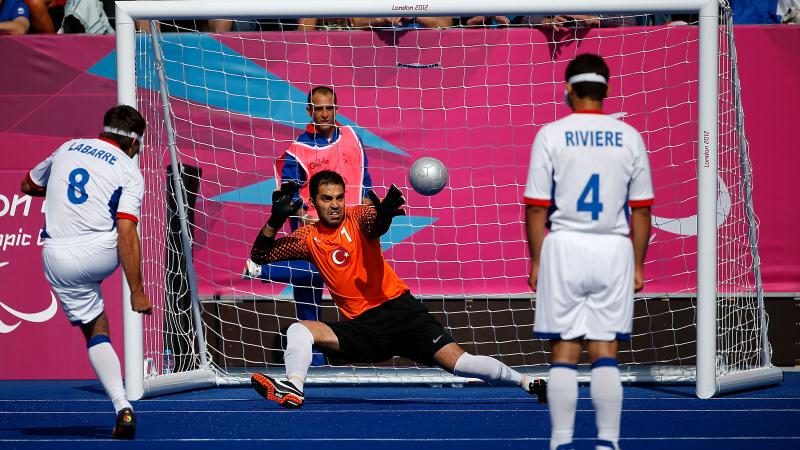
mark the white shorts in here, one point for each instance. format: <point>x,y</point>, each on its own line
<point>585,287</point>
<point>75,267</point>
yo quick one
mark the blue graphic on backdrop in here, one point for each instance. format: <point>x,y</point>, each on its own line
<point>229,81</point>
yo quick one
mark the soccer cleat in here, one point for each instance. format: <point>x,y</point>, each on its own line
<point>538,387</point>
<point>126,425</point>
<point>283,393</point>
<point>251,270</point>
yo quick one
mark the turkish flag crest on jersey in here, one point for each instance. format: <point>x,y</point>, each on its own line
<point>340,257</point>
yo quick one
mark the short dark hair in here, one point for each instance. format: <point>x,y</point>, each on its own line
<point>588,63</point>
<point>321,90</point>
<point>125,118</point>
<point>323,177</point>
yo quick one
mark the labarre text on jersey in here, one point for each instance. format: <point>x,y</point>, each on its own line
<point>91,151</point>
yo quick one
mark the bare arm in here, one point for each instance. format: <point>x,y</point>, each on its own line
<point>435,22</point>
<point>130,255</point>
<point>19,25</point>
<point>368,22</point>
<point>40,17</point>
<point>307,24</point>
<point>640,235</point>
<point>32,190</point>
<point>555,23</point>
<point>487,20</point>
<point>535,220</point>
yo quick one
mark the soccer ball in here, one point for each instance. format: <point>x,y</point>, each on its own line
<point>428,176</point>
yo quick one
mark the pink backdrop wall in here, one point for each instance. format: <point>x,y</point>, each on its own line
<point>47,96</point>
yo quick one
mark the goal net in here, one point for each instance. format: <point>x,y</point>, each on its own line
<point>223,107</point>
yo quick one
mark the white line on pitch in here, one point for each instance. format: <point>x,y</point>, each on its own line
<point>394,410</point>
<point>359,439</point>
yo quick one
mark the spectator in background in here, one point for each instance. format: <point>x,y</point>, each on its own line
<point>401,22</point>
<point>40,16</point>
<point>323,24</point>
<point>765,11</point>
<point>488,21</point>
<point>85,16</point>
<point>565,22</point>
<point>14,17</point>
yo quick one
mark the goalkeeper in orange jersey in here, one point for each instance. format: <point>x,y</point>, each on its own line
<point>384,319</point>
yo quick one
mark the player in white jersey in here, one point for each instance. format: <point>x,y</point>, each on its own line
<point>587,171</point>
<point>93,194</point>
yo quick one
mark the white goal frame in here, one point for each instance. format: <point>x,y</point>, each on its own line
<point>708,383</point>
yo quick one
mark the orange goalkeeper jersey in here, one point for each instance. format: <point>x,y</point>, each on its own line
<point>349,258</point>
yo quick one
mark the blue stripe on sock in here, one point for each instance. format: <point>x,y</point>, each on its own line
<point>564,366</point>
<point>566,447</point>
<point>602,443</point>
<point>98,339</point>
<point>605,362</point>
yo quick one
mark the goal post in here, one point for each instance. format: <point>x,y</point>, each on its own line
<point>728,355</point>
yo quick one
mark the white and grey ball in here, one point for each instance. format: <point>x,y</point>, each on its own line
<point>428,176</point>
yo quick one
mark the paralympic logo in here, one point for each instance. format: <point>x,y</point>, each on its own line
<point>37,317</point>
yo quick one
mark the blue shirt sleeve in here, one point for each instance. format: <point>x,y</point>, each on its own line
<point>11,9</point>
<point>291,172</point>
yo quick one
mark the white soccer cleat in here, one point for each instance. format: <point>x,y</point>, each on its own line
<point>251,270</point>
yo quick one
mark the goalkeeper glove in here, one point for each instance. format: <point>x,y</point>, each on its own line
<point>282,205</point>
<point>390,207</point>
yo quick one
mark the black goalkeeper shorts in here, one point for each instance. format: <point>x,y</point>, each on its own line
<point>400,327</point>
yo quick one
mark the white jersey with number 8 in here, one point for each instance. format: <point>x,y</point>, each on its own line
<point>90,183</point>
<point>590,167</point>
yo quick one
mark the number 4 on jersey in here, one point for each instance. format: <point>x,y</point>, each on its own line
<point>592,188</point>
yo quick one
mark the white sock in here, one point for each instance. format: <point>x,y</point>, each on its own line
<point>606,390</point>
<point>297,356</point>
<point>487,369</point>
<point>106,365</point>
<point>562,398</point>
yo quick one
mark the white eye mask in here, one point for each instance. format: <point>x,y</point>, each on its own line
<point>129,134</point>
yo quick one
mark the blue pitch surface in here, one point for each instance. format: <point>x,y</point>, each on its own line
<point>76,415</point>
